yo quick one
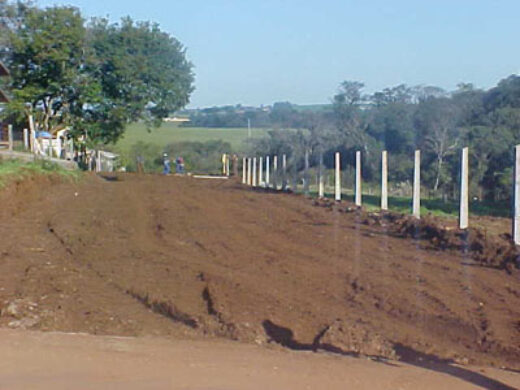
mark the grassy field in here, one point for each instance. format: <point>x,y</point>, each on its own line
<point>170,133</point>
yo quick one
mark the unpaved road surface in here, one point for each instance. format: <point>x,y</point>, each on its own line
<point>45,361</point>
<point>187,259</point>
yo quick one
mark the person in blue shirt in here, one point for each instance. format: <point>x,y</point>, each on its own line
<point>166,164</point>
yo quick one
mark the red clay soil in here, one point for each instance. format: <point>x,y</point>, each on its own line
<point>191,259</point>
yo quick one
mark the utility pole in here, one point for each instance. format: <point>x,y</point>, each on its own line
<point>249,127</point>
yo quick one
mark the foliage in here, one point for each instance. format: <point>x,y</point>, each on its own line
<point>202,157</point>
<point>402,119</point>
<point>94,77</point>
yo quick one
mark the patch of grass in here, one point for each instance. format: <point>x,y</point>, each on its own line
<point>435,207</point>
<point>14,170</point>
<point>171,133</point>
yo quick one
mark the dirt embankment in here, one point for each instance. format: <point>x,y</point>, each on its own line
<point>493,249</point>
<point>178,257</point>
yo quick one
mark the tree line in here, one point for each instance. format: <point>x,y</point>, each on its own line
<point>402,119</point>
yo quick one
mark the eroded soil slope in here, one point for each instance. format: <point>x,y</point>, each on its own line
<point>168,256</point>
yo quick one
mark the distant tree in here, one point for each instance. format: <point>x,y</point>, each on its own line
<point>437,124</point>
<point>284,115</point>
<point>347,112</point>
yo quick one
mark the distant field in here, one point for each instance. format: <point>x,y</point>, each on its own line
<point>170,133</point>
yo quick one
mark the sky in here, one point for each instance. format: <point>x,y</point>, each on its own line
<point>255,52</point>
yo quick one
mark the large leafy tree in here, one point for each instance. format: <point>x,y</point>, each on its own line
<point>143,72</point>
<point>46,58</point>
<point>97,77</point>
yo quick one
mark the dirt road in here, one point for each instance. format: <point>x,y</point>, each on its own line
<point>195,260</point>
<point>45,361</point>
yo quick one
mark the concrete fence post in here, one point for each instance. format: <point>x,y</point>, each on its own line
<point>358,179</point>
<point>321,179</point>
<point>261,172</point>
<point>32,133</point>
<point>416,202</point>
<point>33,141</point>
<point>98,161</point>
<point>516,197</point>
<point>464,190</point>
<point>337,189</point>
<point>384,180</point>
<point>244,171</point>
<point>249,177</point>
<point>275,172</point>
<point>254,172</point>
<point>267,171</point>
<point>26,139</point>
<point>306,178</point>
<point>228,165</point>
<point>284,172</point>
<point>10,136</point>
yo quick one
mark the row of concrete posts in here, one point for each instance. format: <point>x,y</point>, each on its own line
<point>253,175</point>
<point>256,172</point>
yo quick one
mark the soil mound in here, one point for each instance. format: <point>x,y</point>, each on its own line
<point>187,258</point>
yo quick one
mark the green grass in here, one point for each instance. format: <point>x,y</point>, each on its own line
<point>15,170</point>
<point>170,133</point>
<point>436,207</point>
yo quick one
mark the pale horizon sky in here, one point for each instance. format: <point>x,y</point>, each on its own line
<point>260,52</point>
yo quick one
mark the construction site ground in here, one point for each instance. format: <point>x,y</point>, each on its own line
<point>208,284</point>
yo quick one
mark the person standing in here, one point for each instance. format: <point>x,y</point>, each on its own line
<point>166,164</point>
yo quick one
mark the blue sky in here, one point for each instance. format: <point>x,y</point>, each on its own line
<point>259,52</point>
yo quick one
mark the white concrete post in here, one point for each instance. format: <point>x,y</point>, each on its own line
<point>321,182</point>
<point>267,171</point>
<point>98,161</point>
<point>284,172</point>
<point>338,178</point>
<point>32,133</point>
<point>227,165</point>
<point>306,177</point>
<point>416,202</point>
<point>261,172</point>
<point>254,172</point>
<point>275,172</point>
<point>244,171</point>
<point>10,136</point>
<point>33,141</point>
<point>25,139</point>
<point>249,171</point>
<point>464,190</point>
<point>516,197</point>
<point>384,181</point>
<point>358,178</point>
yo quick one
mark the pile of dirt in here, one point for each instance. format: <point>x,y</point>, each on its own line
<point>186,258</point>
<point>488,250</point>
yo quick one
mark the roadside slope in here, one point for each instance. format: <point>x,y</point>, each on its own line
<point>192,259</point>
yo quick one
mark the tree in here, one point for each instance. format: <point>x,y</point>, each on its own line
<point>46,59</point>
<point>436,122</point>
<point>143,72</point>
<point>94,78</point>
<point>347,112</point>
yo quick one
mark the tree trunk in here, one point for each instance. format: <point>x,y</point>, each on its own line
<point>438,175</point>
